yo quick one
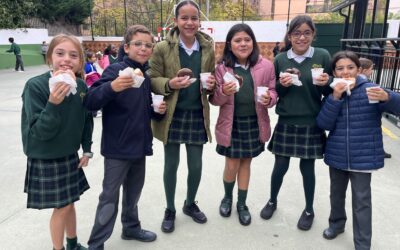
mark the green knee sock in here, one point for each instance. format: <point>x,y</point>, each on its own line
<point>228,186</point>
<point>242,195</point>
<point>72,243</point>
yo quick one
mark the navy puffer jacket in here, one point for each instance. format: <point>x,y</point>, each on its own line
<point>355,137</point>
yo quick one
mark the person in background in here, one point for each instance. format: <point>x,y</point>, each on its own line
<point>243,123</point>
<point>121,52</point>
<point>296,134</point>
<point>91,75</point>
<point>367,67</point>
<point>276,49</point>
<point>188,117</point>
<point>19,64</point>
<point>109,56</point>
<point>54,126</point>
<point>354,148</point>
<point>43,49</point>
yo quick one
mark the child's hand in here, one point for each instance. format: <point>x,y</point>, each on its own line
<point>162,108</point>
<point>83,162</point>
<point>339,89</point>
<point>121,83</point>
<point>265,99</point>
<point>377,94</point>
<point>59,92</point>
<point>286,80</point>
<point>211,82</point>
<point>322,80</point>
<point>229,88</point>
<point>179,82</point>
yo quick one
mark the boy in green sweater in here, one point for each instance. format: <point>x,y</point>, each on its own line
<point>17,52</point>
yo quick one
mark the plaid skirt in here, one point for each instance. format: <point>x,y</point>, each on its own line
<point>54,183</point>
<point>187,127</point>
<point>245,142</point>
<point>301,141</point>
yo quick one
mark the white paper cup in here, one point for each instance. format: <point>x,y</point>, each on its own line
<point>203,79</point>
<point>372,101</point>
<point>157,100</point>
<point>316,72</point>
<point>260,91</point>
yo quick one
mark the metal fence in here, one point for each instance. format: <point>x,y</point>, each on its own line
<point>385,53</point>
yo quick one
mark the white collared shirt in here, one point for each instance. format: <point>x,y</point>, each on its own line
<point>189,51</point>
<point>240,65</point>
<point>300,58</point>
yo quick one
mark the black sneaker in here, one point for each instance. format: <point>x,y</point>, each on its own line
<point>225,208</point>
<point>168,223</point>
<point>305,221</point>
<point>387,155</point>
<point>268,210</point>
<point>193,211</point>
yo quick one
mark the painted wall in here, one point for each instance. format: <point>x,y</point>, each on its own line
<point>24,36</point>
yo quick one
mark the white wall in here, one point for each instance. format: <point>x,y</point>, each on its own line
<point>24,36</point>
<point>393,29</point>
<point>265,31</point>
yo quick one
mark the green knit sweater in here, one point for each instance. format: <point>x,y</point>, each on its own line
<point>300,105</point>
<point>190,97</point>
<point>52,131</point>
<point>244,99</point>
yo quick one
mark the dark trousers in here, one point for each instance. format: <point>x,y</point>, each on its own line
<point>130,174</point>
<point>19,63</point>
<point>361,204</point>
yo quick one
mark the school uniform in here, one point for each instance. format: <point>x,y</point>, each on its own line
<point>125,143</point>
<point>243,124</point>
<point>51,136</point>
<point>296,134</point>
<point>354,150</point>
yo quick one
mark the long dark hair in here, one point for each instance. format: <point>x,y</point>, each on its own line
<point>228,57</point>
<point>183,3</point>
<point>294,24</point>
<point>345,54</point>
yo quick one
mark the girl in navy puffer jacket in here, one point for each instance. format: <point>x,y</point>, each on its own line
<point>354,147</point>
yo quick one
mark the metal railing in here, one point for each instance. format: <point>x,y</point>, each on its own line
<point>385,53</point>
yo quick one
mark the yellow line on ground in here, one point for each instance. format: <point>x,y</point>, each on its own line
<point>389,133</point>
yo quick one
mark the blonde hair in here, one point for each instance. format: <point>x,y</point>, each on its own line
<point>60,38</point>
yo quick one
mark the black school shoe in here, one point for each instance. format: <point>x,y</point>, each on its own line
<point>268,210</point>
<point>305,221</point>
<point>244,215</point>
<point>141,235</point>
<point>193,211</point>
<point>331,233</point>
<point>387,155</point>
<point>168,223</point>
<point>225,208</point>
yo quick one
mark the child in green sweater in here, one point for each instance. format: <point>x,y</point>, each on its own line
<point>296,134</point>
<point>54,126</point>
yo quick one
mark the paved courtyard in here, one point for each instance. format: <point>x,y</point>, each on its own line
<point>22,228</point>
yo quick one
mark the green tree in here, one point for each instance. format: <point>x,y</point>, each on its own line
<point>70,11</point>
<point>229,11</point>
<point>14,12</point>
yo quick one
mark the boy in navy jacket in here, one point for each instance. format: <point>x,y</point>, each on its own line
<point>126,139</point>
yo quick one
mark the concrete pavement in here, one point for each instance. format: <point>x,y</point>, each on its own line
<point>22,228</point>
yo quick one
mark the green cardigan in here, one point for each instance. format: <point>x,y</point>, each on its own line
<point>52,131</point>
<point>164,64</point>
